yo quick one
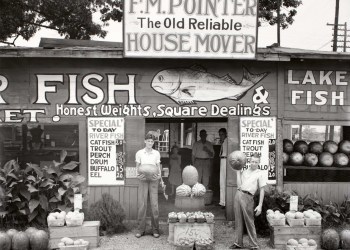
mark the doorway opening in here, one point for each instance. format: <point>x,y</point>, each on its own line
<point>182,133</point>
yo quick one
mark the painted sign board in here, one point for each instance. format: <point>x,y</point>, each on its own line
<point>192,230</point>
<point>190,29</point>
<point>105,151</point>
<point>258,135</point>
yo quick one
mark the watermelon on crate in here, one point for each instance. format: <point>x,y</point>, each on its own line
<point>39,240</point>
<point>198,189</point>
<point>311,159</point>
<point>237,159</point>
<point>301,147</point>
<point>5,241</point>
<point>11,232</point>
<point>330,239</point>
<point>315,147</point>
<point>341,160</point>
<point>345,239</point>
<point>325,159</point>
<point>330,147</point>
<point>190,175</point>
<point>344,147</point>
<point>287,146</point>
<point>30,230</point>
<point>20,241</point>
<point>296,159</point>
<point>183,190</point>
<point>285,158</point>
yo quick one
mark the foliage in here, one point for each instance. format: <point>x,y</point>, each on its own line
<point>31,192</point>
<point>109,212</point>
<point>268,11</point>
<point>72,19</point>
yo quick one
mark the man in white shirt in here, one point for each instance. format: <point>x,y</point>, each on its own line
<point>223,158</point>
<point>248,182</point>
<point>202,155</point>
<point>148,156</point>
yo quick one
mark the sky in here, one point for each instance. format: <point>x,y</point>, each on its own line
<point>309,30</point>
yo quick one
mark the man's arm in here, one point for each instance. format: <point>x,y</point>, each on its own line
<point>239,178</point>
<point>261,200</point>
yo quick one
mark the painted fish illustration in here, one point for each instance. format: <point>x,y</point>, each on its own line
<point>188,85</point>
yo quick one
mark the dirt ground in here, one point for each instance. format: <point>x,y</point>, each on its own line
<point>223,236</point>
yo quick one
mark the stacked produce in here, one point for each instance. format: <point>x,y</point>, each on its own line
<point>204,243</point>
<point>331,240</point>
<point>191,186</point>
<point>328,154</point>
<point>185,243</point>
<point>67,242</point>
<point>312,218</point>
<point>74,219</point>
<point>191,217</point>
<point>32,238</point>
<point>275,218</point>
<point>295,218</point>
<point>56,219</point>
<point>303,243</point>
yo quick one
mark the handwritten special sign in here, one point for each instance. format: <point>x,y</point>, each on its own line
<point>105,151</point>
<point>191,29</point>
<point>258,135</point>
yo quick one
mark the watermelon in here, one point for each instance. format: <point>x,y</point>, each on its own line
<point>183,190</point>
<point>237,159</point>
<point>345,239</point>
<point>344,147</point>
<point>190,175</point>
<point>5,241</point>
<point>198,189</point>
<point>287,146</point>
<point>11,232</point>
<point>325,159</point>
<point>310,159</point>
<point>301,147</point>
<point>39,240</point>
<point>285,158</point>
<point>30,230</point>
<point>296,159</point>
<point>341,160</point>
<point>20,241</point>
<point>315,147</point>
<point>330,147</point>
<point>330,239</point>
<point>148,170</point>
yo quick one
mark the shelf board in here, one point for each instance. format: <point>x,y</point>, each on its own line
<point>316,168</point>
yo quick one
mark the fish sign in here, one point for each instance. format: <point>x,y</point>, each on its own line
<point>188,85</point>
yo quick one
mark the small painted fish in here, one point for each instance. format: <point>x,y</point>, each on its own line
<point>187,85</point>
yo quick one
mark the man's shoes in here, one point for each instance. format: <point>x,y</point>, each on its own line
<point>235,246</point>
<point>156,234</point>
<point>138,235</point>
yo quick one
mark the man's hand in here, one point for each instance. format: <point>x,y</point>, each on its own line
<point>257,210</point>
<point>155,177</point>
<point>141,177</point>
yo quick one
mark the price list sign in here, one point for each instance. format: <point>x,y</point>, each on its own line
<point>258,135</point>
<point>106,154</point>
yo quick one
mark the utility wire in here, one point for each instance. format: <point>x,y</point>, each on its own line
<point>324,45</point>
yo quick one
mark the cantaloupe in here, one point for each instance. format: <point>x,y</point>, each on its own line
<point>190,175</point>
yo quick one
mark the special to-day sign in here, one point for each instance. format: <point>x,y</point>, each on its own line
<point>190,28</point>
<point>105,151</point>
<point>258,135</point>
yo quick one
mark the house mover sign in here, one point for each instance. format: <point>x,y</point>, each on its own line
<point>190,28</point>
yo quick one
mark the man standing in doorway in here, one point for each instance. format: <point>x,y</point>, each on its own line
<point>223,158</point>
<point>202,155</point>
<point>248,182</point>
<point>148,156</point>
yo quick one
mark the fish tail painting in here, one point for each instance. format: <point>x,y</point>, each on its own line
<point>188,85</point>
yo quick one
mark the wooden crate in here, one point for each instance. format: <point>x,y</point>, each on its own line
<point>199,229</point>
<point>189,204</point>
<point>279,235</point>
<point>89,231</point>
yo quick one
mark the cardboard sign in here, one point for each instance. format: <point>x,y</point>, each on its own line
<point>192,230</point>
<point>293,203</point>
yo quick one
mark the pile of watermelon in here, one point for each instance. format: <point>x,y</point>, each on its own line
<point>328,154</point>
<point>332,240</point>
<point>31,238</point>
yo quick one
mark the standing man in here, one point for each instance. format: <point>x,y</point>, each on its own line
<point>223,158</point>
<point>248,182</point>
<point>148,156</point>
<point>202,155</point>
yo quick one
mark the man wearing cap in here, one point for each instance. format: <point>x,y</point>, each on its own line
<point>248,182</point>
<point>223,158</point>
<point>148,156</point>
<point>202,155</point>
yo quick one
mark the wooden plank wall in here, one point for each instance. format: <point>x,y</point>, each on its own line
<point>329,191</point>
<point>127,195</point>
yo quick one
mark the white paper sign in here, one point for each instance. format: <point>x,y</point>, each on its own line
<point>293,203</point>
<point>78,201</point>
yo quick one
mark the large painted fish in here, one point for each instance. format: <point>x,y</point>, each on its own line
<point>188,85</point>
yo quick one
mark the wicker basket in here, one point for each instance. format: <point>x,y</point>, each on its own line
<point>295,222</point>
<point>288,247</point>
<point>277,222</point>
<point>313,222</point>
<point>75,247</point>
